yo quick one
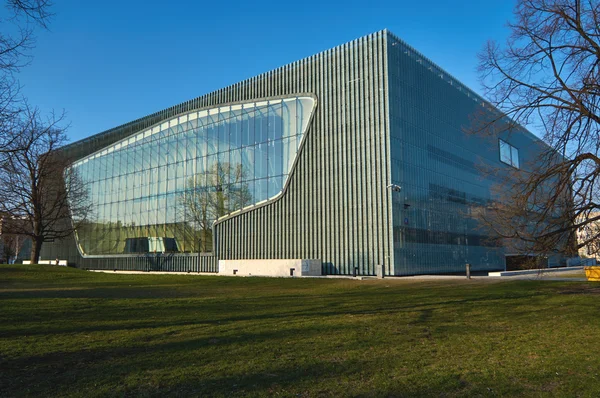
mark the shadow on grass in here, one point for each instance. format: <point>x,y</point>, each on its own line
<point>94,293</point>
<point>264,337</point>
<point>185,368</point>
<point>106,317</point>
<point>147,354</point>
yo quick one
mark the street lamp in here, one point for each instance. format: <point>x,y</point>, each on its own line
<point>393,188</point>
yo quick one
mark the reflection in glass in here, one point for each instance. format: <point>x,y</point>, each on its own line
<point>509,154</point>
<point>163,188</point>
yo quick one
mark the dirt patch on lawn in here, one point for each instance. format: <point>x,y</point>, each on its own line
<point>580,289</point>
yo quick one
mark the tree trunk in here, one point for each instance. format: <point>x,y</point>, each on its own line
<point>36,248</point>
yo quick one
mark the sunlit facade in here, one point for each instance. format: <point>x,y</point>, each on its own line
<point>356,156</point>
<point>175,179</point>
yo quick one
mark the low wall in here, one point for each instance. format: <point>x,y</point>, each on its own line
<point>62,263</point>
<point>534,271</point>
<point>269,267</point>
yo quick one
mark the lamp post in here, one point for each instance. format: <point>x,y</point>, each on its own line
<point>393,188</point>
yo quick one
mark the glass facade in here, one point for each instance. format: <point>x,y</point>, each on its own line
<point>441,169</point>
<point>386,115</point>
<point>165,186</point>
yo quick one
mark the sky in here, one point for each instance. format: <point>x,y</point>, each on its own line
<point>105,63</point>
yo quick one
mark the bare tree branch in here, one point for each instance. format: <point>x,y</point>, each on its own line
<point>211,195</point>
<point>41,195</point>
<point>16,42</point>
<point>547,76</point>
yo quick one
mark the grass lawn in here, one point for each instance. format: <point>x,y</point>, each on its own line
<point>66,332</point>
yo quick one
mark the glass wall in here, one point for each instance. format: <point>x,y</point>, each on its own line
<point>447,175</point>
<point>169,183</point>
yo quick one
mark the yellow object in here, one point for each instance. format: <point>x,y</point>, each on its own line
<point>592,273</point>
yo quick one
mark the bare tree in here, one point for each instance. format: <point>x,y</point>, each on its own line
<point>16,41</point>
<point>547,76</point>
<point>44,197</point>
<point>211,195</point>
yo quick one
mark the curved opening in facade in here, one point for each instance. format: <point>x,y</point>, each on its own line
<point>161,189</point>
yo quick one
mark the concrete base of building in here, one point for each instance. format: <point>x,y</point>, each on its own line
<point>270,267</point>
<point>61,263</point>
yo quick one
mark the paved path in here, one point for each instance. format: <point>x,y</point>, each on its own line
<point>574,276</point>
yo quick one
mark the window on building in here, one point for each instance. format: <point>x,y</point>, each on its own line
<point>509,154</point>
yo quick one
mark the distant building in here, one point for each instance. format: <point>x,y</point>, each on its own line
<point>586,234</point>
<point>356,156</point>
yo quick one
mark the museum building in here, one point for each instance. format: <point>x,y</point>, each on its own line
<point>357,157</point>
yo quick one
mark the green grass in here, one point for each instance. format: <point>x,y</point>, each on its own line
<point>66,332</point>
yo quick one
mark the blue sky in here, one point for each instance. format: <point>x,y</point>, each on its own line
<point>108,62</point>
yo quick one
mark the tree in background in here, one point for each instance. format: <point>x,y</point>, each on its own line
<point>44,198</point>
<point>214,194</point>
<point>39,191</point>
<point>547,76</point>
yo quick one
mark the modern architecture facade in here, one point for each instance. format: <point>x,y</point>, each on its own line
<point>357,156</point>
